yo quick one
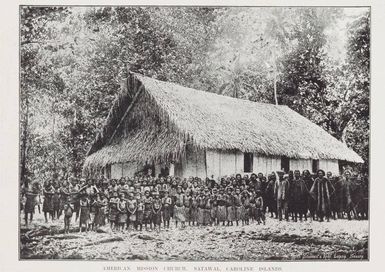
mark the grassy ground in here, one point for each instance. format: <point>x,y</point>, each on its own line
<point>338,239</point>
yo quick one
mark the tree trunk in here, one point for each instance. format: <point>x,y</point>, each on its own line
<point>275,87</point>
<point>236,86</point>
<point>73,143</point>
<point>53,141</point>
<point>275,78</point>
<point>343,134</point>
<point>23,162</point>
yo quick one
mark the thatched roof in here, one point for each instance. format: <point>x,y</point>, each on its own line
<point>153,120</point>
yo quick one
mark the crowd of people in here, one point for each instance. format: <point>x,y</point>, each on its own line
<point>151,203</point>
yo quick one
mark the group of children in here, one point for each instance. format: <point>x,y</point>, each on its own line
<point>149,202</point>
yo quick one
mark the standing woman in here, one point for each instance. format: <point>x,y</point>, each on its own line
<point>74,190</point>
<point>207,208</point>
<point>214,206</point>
<point>139,211</point>
<point>201,208</point>
<point>321,192</point>
<point>84,211</point>
<point>245,198</point>
<point>238,207</point>
<point>122,212</point>
<point>147,212</point>
<point>48,192</point>
<point>102,209</point>
<point>187,206</point>
<point>132,206</point>
<point>157,211</point>
<point>179,211</point>
<point>221,210</point>
<point>93,212</point>
<point>113,210</point>
<point>65,196</point>
<point>253,209</point>
<point>66,204</point>
<point>167,202</point>
<point>194,207</point>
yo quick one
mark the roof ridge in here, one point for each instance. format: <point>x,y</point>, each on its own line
<point>138,75</point>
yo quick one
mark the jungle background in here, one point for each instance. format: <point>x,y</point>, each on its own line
<point>72,60</point>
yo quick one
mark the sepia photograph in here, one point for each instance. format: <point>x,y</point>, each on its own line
<point>194,133</point>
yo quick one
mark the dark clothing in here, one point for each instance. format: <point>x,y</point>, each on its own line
<point>336,197</point>
<point>321,192</point>
<point>311,202</point>
<point>157,211</point>
<point>299,196</point>
<point>48,201</point>
<point>30,203</point>
<point>269,197</point>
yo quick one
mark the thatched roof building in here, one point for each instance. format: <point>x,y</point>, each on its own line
<point>152,121</point>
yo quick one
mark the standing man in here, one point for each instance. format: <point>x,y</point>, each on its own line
<point>281,191</point>
<point>48,192</point>
<point>347,193</point>
<point>321,192</point>
<point>245,199</point>
<point>334,197</point>
<point>309,181</point>
<point>300,193</point>
<point>260,214</point>
<point>31,195</point>
<point>74,190</point>
<point>269,195</point>
<point>230,203</point>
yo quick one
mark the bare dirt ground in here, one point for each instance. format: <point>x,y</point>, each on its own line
<point>337,239</point>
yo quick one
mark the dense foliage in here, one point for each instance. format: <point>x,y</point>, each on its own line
<point>73,59</point>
